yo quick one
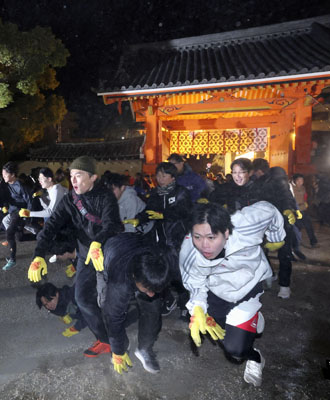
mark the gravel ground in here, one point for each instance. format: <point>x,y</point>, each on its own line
<point>38,363</point>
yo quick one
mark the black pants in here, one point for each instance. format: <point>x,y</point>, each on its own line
<point>306,223</point>
<point>86,299</point>
<point>238,343</point>
<point>150,320</point>
<point>284,256</point>
<point>16,225</point>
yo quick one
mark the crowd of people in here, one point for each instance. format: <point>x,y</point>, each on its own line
<point>175,239</point>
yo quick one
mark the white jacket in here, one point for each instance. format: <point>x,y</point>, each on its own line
<point>244,265</point>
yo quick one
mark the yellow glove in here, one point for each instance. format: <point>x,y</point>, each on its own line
<point>66,319</point>
<point>134,222</point>
<point>155,214</point>
<point>95,254</point>
<point>70,271</point>
<point>37,194</point>
<point>290,215</point>
<point>197,324</point>
<point>299,214</point>
<point>273,246</point>
<point>120,363</point>
<point>225,206</point>
<point>37,268</point>
<point>70,331</point>
<point>214,329</point>
<point>202,200</point>
<point>4,210</point>
<point>24,213</point>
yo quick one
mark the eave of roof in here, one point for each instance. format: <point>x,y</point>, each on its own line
<point>284,52</point>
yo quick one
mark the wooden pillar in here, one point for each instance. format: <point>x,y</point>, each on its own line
<point>281,139</point>
<point>151,143</point>
<point>303,137</point>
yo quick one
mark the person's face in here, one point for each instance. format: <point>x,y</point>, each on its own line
<point>258,173</point>
<point>142,289</point>
<point>240,176</point>
<point>82,181</point>
<point>7,177</point>
<point>118,191</point>
<point>44,181</point>
<point>50,304</point>
<point>179,165</point>
<point>208,243</point>
<point>164,179</point>
<point>299,181</point>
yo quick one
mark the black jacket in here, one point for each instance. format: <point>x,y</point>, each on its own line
<point>99,202</point>
<point>175,207</point>
<point>16,196</point>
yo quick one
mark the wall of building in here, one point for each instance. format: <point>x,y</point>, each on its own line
<point>119,167</point>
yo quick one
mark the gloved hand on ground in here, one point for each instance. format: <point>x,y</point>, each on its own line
<point>66,319</point>
<point>70,270</point>
<point>214,329</point>
<point>197,324</point>
<point>70,331</point>
<point>120,363</point>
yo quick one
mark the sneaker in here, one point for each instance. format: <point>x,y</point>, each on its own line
<point>284,292</point>
<point>168,307</point>
<point>184,315</point>
<point>148,359</point>
<point>261,323</point>
<point>10,264</point>
<point>253,371</point>
<point>97,349</point>
<point>53,258</point>
<point>269,281</point>
<point>299,254</point>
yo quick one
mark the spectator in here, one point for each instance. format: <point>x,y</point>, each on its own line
<point>300,195</point>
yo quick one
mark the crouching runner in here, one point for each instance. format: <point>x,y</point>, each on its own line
<point>132,268</point>
<point>223,266</point>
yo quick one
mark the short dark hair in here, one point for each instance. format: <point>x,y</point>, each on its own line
<point>151,271</point>
<point>244,163</point>
<point>167,168</point>
<point>117,180</point>
<point>296,176</point>
<point>213,214</point>
<point>47,172</point>
<point>260,163</point>
<point>47,290</point>
<point>175,157</point>
<point>11,168</point>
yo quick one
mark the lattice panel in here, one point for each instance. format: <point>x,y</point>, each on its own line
<point>219,142</point>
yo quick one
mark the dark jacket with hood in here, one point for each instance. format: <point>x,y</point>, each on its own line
<point>175,206</point>
<point>99,202</point>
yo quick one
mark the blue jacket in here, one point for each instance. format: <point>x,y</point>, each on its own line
<point>192,181</point>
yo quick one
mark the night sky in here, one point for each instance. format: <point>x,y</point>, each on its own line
<point>96,31</point>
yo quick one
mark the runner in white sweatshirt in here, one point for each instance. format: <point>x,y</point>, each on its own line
<point>222,266</point>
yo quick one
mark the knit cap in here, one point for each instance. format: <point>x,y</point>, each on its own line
<point>84,163</point>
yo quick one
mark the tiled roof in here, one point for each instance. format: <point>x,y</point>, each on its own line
<point>291,48</point>
<point>117,150</point>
